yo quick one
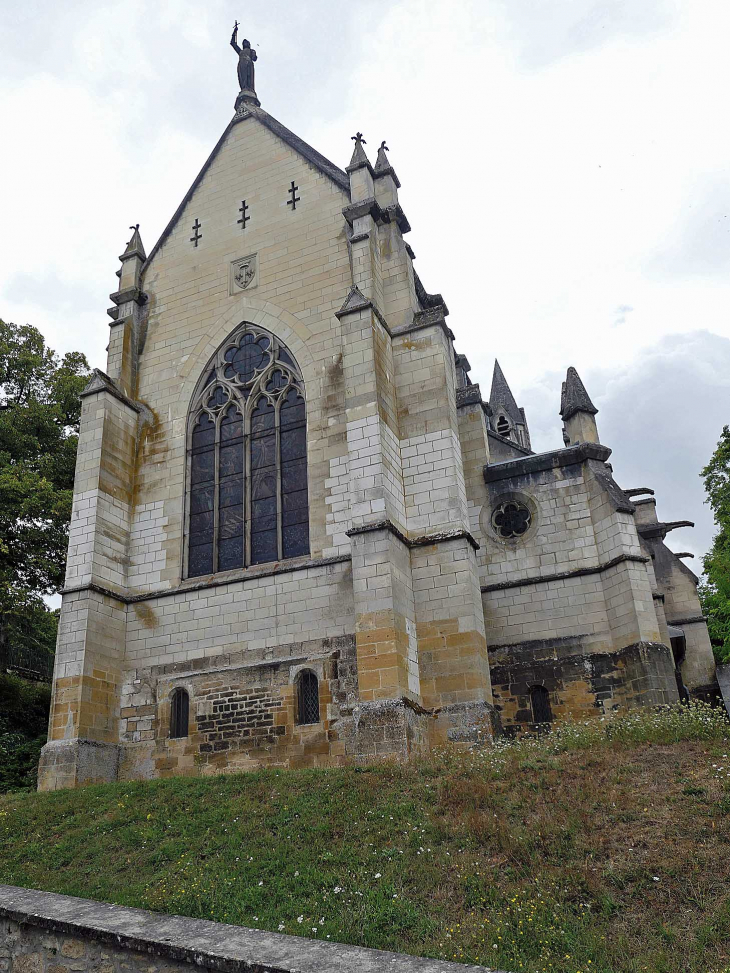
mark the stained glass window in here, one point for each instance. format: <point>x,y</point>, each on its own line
<point>247,444</point>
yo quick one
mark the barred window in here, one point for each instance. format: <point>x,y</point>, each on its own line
<point>179,714</point>
<point>540,702</point>
<point>247,445</point>
<point>307,698</point>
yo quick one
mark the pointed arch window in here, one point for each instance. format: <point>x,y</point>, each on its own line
<point>247,457</point>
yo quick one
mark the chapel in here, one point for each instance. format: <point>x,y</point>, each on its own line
<point>302,536</point>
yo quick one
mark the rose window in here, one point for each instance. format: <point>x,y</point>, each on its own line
<point>511,519</point>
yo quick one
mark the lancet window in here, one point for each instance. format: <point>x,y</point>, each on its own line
<point>247,449</point>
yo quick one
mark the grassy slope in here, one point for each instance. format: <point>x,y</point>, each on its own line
<point>549,850</point>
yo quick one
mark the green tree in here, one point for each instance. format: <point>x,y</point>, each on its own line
<point>715,591</point>
<point>39,417</point>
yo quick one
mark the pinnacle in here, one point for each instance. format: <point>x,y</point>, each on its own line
<point>358,156</point>
<point>135,247</point>
<point>383,166</point>
<point>573,397</point>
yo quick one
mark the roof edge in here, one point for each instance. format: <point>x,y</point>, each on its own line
<point>310,154</point>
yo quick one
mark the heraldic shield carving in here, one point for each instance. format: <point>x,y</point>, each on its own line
<point>243,273</point>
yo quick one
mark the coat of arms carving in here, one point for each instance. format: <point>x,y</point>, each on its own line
<point>243,273</point>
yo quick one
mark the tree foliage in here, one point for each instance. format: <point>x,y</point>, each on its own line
<point>715,591</point>
<point>39,416</point>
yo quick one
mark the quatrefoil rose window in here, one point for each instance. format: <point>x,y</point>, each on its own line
<point>511,519</point>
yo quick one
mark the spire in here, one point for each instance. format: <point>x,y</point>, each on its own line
<point>508,418</point>
<point>574,397</point>
<point>501,395</point>
<point>358,155</point>
<point>577,411</point>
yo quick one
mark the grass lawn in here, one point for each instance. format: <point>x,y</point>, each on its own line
<point>592,849</point>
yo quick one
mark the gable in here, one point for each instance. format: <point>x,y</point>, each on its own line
<point>295,143</point>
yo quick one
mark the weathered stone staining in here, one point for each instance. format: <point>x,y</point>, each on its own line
<point>286,480</point>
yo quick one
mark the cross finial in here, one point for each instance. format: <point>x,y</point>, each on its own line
<point>135,227</point>
<point>384,147</point>
<point>358,138</point>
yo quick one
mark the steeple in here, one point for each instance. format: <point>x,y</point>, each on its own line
<point>508,419</point>
<point>577,411</point>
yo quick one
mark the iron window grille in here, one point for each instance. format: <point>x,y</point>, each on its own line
<point>179,714</point>
<point>307,698</point>
<point>247,465</point>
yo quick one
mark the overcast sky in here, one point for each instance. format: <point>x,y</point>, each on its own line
<point>565,168</point>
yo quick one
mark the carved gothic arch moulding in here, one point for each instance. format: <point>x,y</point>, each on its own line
<point>282,324</point>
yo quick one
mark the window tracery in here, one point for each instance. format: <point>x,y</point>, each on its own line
<point>511,519</point>
<point>247,457</point>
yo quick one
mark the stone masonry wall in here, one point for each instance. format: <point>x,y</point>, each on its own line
<point>45,933</point>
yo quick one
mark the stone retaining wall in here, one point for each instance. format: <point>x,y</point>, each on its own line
<point>45,933</point>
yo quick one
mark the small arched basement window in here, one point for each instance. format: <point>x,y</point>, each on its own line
<point>179,714</point>
<point>503,426</point>
<point>540,702</point>
<point>307,698</point>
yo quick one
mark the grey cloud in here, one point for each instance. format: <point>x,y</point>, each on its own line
<point>700,243</point>
<point>546,31</point>
<point>662,415</point>
<point>49,291</point>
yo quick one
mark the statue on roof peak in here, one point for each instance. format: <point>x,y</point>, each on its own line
<point>246,58</point>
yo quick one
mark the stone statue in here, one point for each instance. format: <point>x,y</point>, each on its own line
<point>246,58</point>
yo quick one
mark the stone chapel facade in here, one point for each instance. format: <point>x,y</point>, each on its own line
<point>300,535</point>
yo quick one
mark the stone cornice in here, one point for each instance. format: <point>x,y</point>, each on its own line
<point>689,620</point>
<point>540,462</point>
<point>130,294</point>
<point>433,317</point>
<point>371,207</point>
<point>233,577</point>
<point>423,540</point>
<point>563,575</point>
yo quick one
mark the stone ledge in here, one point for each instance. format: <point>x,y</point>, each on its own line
<point>423,540</point>
<point>689,620</point>
<point>540,462</point>
<point>233,577</point>
<point>562,575</point>
<point>200,943</point>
